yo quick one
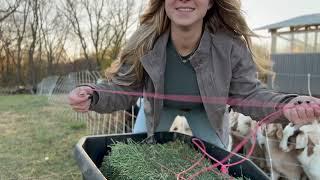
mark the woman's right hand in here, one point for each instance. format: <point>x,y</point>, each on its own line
<point>79,98</point>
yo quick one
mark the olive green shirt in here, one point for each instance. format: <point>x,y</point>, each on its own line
<point>180,79</point>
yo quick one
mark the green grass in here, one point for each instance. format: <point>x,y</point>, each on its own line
<point>37,139</point>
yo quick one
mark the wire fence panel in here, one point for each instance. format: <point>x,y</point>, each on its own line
<point>57,89</point>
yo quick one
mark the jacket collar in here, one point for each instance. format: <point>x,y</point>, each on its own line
<point>154,62</point>
<point>203,52</point>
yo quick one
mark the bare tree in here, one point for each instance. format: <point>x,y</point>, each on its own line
<point>54,33</point>
<point>8,9</point>
<point>2,62</point>
<point>7,58</point>
<point>7,41</point>
<point>37,33</point>
<point>122,11</point>
<point>107,22</point>
<point>20,22</point>
<point>71,11</point>
<point>34,28</point>
<point>100,27</point>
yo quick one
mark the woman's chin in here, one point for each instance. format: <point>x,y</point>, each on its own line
<point>184,24</point>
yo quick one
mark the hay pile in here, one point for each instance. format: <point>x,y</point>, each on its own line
<point>133,161</point>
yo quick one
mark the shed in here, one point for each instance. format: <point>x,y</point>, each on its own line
<point>295,52</point>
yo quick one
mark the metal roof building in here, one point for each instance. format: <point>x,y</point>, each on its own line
<point>306,20</point>
<point>295,52</point>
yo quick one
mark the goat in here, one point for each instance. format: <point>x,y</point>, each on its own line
<point>282,163</point>
<point>180,124</point>
<point>241,126</point>
<point>305,142</point>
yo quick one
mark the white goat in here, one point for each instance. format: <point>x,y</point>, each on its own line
<point>306,145</point>
<point>180,124</point>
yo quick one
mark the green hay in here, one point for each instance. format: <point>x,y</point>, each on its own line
<point>133,161</point>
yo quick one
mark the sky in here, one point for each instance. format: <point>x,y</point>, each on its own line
<point>263,12</point>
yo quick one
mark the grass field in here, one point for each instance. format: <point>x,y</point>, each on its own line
<point>37,139</point>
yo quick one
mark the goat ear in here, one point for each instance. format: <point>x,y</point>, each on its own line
<point>279,133</point>
<point>310,147</point>
<point>302,141</point>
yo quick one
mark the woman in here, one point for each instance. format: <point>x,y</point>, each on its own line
<point>195,48</point>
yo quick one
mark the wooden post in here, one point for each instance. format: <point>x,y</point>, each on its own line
<point>292,40</point>
<point>316,43</point>
<point>306,49</point>
<point>273,51</point>
<point>273,41</point>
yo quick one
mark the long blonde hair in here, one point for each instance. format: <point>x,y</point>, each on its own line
<point>154,22</point>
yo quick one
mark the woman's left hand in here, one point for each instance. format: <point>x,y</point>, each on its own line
<point>302,110</point>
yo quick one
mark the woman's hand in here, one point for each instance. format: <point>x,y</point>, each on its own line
<point>302,110</point>
<point>79,98</point>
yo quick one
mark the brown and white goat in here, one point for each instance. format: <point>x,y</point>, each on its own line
<point>241,126</point>
<point>282,163</point>
<point>305,142</point>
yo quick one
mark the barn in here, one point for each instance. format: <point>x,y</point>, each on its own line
<point>295,52</point>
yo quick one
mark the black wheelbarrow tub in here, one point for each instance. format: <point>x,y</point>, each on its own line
<point>90,151</point>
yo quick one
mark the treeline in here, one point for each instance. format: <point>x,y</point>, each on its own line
<point>39,38</point>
